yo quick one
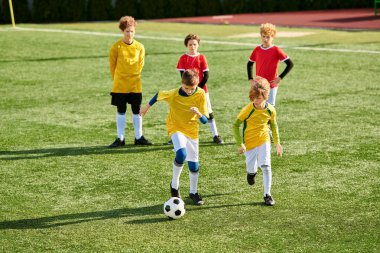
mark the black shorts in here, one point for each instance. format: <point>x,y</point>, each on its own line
<point>122,99</point>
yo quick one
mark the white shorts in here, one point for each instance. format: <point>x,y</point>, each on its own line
<point>208,101</point>
<point>191,145</point>
<point>257,157</point>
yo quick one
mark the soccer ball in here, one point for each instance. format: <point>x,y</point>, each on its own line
<point>174,208</point>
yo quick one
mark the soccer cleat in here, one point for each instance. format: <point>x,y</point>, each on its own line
<point>142,141</point>
<point>269,201</point>
<point>196,198</point>
<point>218,140</point>
<point>174,192</point>
<point>117,143</point>
<point>251,178</point>
<point>170,142</point>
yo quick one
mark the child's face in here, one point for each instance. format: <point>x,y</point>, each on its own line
<point>192,46</point>
<point>258,100</point>
<point>129,33</point>
<point>267,40</point>
<point>189,90</point>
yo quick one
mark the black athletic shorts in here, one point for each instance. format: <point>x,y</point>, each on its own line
<point>122,99</point>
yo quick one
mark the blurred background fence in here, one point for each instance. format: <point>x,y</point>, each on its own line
<point>46,11</point>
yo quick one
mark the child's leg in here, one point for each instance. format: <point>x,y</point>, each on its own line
<point>192,148</point>
<point>264,160</point>
<point>211,120</point>
<point>272,96</point>
<point>251,161</point>
<point>135,101</point>
<point>121,121</point>
<point>179,143</point>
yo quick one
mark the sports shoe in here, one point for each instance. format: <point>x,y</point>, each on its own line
<point>269,201</point>
<point>218,140</point>
<point>117,143</point>
<point>196,198</point>
<point>170,142</point>
<point>174,192</point>
<point>251,178</point>
<point>142,141</point>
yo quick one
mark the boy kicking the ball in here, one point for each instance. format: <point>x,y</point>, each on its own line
<point>255,143</point>
<point>187,107</point>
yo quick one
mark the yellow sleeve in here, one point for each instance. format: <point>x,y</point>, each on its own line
<point>236,132</point>
<point>274,128</point>
<point>142,58</point>
<point>113,59</point>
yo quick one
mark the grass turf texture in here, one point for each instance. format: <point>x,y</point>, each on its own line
<point>63,190</point>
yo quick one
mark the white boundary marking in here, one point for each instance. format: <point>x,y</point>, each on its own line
<point>180,39</point>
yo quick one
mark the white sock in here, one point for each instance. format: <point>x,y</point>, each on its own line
<point>213,128</point>
<point>267,179</point>
<point>176,174</point>
<point>137,125</point>
<point>120,125</point>
<point>193,181</point>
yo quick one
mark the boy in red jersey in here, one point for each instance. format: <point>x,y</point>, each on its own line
<point>192,59</point>
<point>126,60</point>
<point>267,56</point>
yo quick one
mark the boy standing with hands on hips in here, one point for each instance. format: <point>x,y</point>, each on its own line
<point>267,56</point>
<point>126,59</point>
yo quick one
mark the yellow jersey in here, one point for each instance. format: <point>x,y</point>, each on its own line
<point>255,125</point>
<point>180,118</point>
<point>126,63</point>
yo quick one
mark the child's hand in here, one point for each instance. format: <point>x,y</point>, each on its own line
<point>195,111</point>
<point>251,82</point>
<point>242,149</point>
<point>144,110</point>
<point>279,149</point>
<point>276,81</point>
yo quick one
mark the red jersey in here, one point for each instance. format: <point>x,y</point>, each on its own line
<point>267,60</point>
<point>197,62</point>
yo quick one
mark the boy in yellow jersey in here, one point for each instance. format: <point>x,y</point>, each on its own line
<point>187,107</point>
<point>126,59</point>
<point>255,143</point>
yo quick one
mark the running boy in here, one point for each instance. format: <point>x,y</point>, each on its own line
<point>192,59</point>
<point>187,106</point>
<point>267,56</point>
<point>126,60</point>
<point>255,143</point>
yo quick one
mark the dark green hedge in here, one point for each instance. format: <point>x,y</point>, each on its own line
<point>96,10</point>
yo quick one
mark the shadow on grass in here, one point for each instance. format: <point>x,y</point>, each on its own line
<point>69,219</point>
<point>77,151</point>
<point>94,150</point>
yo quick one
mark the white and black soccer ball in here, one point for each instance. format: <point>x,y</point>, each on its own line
<point>174,208</point>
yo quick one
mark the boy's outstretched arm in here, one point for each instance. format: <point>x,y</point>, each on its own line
<point>238,139</point>
<point>144,110</point>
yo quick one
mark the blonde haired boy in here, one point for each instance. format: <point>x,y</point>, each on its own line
<point>187,107</point>
<point>267,56</point>
<point>255,143</point>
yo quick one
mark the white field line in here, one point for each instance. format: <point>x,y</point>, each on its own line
<point>181,39</point>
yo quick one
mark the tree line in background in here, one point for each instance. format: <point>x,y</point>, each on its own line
<point>43,11</point>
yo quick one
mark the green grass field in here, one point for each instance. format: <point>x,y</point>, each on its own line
<point>62,190</point>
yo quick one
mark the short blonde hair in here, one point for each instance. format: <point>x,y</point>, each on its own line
<point>268,29</point>
<point>126,21</point>
<point>260,87</point>
<point>190,77</point>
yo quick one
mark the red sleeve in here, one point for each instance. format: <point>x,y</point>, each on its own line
<point>252,58</point>
<point>204,65</point>
<point>281,54</point>
<point>180,64</point>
